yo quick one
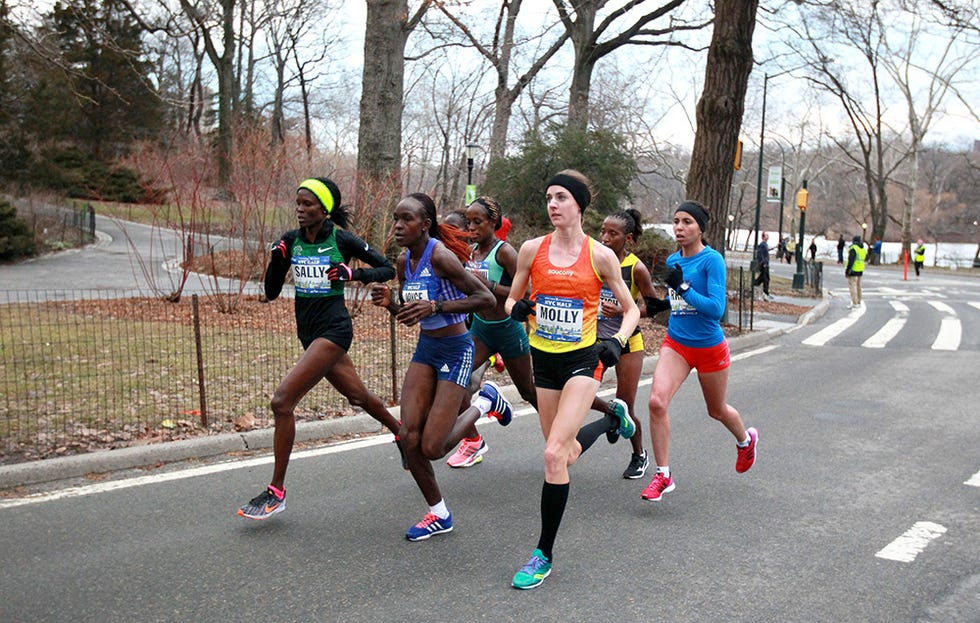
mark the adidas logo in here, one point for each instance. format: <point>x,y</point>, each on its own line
<point>444,368</point>
<point>425,272</point>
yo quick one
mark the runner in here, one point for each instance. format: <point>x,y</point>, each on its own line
<point>566,270</point>
<point>618,231</point>
<point>319,252</point>
<point>697,280</point>
<point>436,293</point>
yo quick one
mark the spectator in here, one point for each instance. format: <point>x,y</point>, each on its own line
<point>854,270</point>
<point>920,256</point>
<point>762,263</point>
<point>840,249</point>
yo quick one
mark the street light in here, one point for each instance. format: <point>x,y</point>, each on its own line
<point>802,198</point>
<point>471,150</point>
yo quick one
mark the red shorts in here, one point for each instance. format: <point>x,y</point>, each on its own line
<point>711,359</point>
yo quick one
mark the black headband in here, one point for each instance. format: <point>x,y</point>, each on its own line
<point>578,190</point>
<point>696,210</point>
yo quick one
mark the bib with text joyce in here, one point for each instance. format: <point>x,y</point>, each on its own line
<point>414,291</point>
<point>558,318</point>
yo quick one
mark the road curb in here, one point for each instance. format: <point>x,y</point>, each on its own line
<point>100,461</point>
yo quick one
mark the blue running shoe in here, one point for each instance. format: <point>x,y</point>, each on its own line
<point>623,425</point>
<point>499,406</point>
<point>533,573</point>
<point>429,525</point>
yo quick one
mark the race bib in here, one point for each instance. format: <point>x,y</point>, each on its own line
<point>559,319</point>
<point>310,274</point>
<point>414,291</point>
<point>478,267</point>
<point>678,305</point>
<point>606,296</point>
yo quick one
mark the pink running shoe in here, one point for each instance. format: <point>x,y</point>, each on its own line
<point>468,453</point>
<point>746,455</point>
<point>658,487</point>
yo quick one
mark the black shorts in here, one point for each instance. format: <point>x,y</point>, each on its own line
<point>553,370</point>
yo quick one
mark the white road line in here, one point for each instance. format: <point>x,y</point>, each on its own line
<point>891,328</point>
<point>753,353</point>
<point>974,480</point>
<point>828,333</point>
<point>974,304</point>
<point>950,329</point>
<point>906,547</point>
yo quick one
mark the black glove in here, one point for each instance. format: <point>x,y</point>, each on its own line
<point>655,305</point>
<point>522,309</point>
<point>675,277</point>
<point>343,272</point>
<point>609,351</point>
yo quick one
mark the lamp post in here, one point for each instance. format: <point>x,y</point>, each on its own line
<point>471,150</point>
<point>801,200</point>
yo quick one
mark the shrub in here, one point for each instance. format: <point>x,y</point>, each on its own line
<point>16,238</point>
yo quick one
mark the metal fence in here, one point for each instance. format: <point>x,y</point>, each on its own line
<point>91,369</point>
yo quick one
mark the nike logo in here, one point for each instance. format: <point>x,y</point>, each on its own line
<point>269,509</point>
<point>323,249</point>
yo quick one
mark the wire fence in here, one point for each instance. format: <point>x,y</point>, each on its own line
<point>92,369</point>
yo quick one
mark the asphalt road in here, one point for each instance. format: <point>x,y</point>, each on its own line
<point>863,506</point>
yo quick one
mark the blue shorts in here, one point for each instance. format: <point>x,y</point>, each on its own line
<point>451,357</point>
<point>506,336</point>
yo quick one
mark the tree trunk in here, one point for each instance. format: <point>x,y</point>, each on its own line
<point>719,112</point>
<point>380,131</point>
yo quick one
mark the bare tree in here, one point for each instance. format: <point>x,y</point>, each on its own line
<point>579,19</point>
<point>499,53</point>
<point>908,66</point>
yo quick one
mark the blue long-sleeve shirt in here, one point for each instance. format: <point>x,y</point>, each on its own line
<point>695,318</point>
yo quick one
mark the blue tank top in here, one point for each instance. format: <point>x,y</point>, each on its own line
<point>424,285</point>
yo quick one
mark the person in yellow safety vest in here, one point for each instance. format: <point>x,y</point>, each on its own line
<point>919,257</point>
<point>856,255</point>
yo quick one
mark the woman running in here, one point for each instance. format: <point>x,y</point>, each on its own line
<point>436,293</point>
<point>566,270</point>
<point>319,252</point>
<point>696,276</point>
<point>618,231</point>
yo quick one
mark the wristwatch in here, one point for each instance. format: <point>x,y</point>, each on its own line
<point>683,288</point>
<point>622,339</point>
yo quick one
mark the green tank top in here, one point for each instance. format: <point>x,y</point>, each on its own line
<point>311,262</point>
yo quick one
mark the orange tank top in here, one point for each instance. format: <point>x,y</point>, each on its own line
<point>567,301</point>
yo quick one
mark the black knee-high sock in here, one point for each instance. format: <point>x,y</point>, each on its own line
<point>590,432</point>
<point>553,499</point>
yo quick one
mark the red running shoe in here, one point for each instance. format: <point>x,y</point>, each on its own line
<point>658,487</point>
<point>746,455</point>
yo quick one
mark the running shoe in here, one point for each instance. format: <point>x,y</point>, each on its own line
<point>637,467</point>
<point>401,452</point>
<point>263,506</point>
<point>746,455</point>
<point>497,362</point>
<point>468,453</point>
<point>499,406</point>
<point>658,487</point>
<point>624,426</point>
<point>429,525</point>
<point>533,573</point>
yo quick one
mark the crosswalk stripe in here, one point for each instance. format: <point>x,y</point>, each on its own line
<point>891,328</point>
<point>974,304</point>
<point>828,333</point>
<point>950,329</point>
